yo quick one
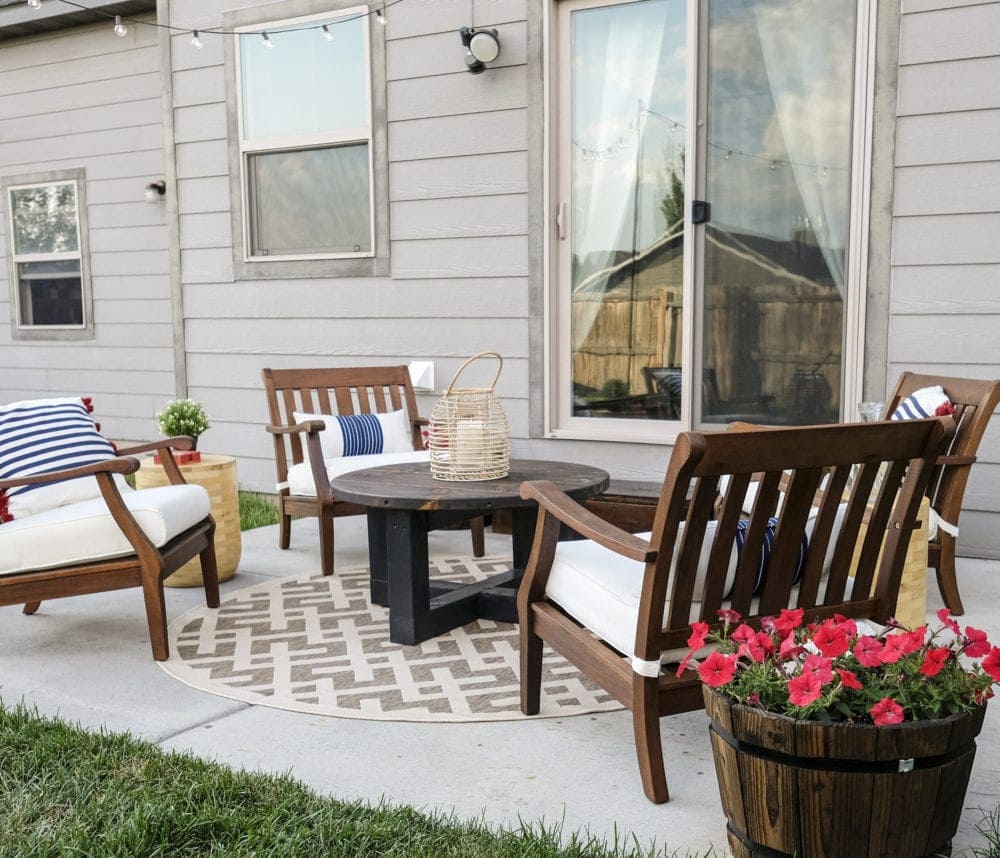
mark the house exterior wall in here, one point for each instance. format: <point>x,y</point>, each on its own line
<point>84,98</point>
<point>945,295</point>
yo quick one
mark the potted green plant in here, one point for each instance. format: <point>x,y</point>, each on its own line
<point>841,738</point>
<point>183,417</point>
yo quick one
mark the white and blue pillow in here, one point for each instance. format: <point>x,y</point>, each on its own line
<point>765,553</point>
<point>42,436</point>
<point>362,434</point>
<point>922,403</point>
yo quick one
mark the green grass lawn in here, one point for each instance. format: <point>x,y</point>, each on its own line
<point>64,791</point>
<point>256,511</point>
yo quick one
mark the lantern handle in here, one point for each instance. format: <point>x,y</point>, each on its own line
<point>454,378</point>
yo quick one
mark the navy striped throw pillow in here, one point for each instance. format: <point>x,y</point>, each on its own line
<point>42,436</point>
<point>362,434</point>
<point>765,554</point>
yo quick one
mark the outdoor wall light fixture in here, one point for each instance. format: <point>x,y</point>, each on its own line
<point>155,191</point>
<point>482,46</point>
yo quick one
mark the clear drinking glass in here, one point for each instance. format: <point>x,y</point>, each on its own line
<point>870,411</point>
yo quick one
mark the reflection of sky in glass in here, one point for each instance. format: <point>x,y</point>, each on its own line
<point>623,55</point>
<point>304,84</point>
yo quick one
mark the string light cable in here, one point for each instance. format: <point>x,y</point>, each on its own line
<point>121,23</point>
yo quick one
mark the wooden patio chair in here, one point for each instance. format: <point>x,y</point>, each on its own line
<point>304,470</point>
<point>619,606</point>
<point>974,403</point>
<point>125,538</point>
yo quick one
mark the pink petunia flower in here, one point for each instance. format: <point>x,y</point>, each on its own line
<point>848,678</point>
<point>976,643</point>
<point>944,615</point>
<point>699,631</point>
<point>820,667</point>
<point>868,651</point>
<point>896,646</point>
<point>743,634</point>
<point>934,661</point>
<point>804,689</point>
<point>887,711</point>
<point>789,620</point>
<point>830,640</point>
<point>991,664</point>
<point>728,616</point>
<point>717,669</point>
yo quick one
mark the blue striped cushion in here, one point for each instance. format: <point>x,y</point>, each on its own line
<point>43,436</point>
<point>921,403</point>
<point>361,434</point>
<point>765,554</point>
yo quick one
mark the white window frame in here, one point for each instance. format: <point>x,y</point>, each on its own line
<point>559,421</point>
<point>303,142</point>
<point>21,258</point>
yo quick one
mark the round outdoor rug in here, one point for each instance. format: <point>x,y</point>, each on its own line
<point>315,644</point>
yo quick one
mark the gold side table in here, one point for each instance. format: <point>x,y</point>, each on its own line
<point>217,475</point>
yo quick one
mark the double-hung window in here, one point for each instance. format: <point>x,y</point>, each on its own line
<point>706,247</point>
<point>47,261</point>
<point>305,138</point>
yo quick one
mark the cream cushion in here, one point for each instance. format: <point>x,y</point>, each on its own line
<point>601,589</point>
<point>300,478</point>
<point>85,531</point>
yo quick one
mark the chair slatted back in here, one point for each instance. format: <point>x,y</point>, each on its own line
<point>880,470</point>
<point>974,402</point>
<point>343,391</point>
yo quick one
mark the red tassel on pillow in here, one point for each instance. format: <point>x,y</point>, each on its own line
<point>5,515</point>
<point>944,409</point>
<point>88,404</point>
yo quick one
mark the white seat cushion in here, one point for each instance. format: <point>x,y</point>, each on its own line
<point>85,531</point>
<point>300,478</point>
<point>601,589</point>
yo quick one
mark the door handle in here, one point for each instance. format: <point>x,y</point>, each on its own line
<point>561,220</point>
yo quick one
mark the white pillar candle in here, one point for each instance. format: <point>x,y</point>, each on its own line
<point>469,442</point>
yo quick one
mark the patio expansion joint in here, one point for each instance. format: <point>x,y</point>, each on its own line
<point>237,709</point>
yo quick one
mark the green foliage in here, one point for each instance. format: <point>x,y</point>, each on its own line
<point>614,388</point>
<point>64,791</point>
<point>672,205</point>
<point>182,417</point>
<point>256,511</point>
<point>989,829</point>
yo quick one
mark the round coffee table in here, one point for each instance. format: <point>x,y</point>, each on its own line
<point>404,502</point>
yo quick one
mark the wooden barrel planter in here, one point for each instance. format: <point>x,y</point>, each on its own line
<point>842,790</point>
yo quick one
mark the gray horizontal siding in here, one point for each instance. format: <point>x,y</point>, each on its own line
<point>945,297</point>
<point>85,98</point>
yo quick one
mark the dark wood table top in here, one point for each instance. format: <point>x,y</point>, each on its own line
<point>411,486</point>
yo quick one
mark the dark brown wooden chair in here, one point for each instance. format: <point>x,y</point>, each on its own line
<point>344,391</point>
<point>146,568</point>
<point>974,403</point>
<point>628,613</point>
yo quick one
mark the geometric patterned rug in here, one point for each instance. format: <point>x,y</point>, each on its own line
<point>315,644</point>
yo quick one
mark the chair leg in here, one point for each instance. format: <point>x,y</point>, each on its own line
<point>156,615</point>
<point>648,745</point>
<point>326,543</point>
<point>946,577</point>
<point>31,607</point>
<point>531,669</point>
<point>284,530</point>
<point>210,574</point>
<point>478,528</point>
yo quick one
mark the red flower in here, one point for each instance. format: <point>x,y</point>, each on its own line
<point>699,631</point>
<point>717,669</point>
<point>848,679</point>
<point>983,696</point>
<point>804,689</point>
<point>831,640</point>
<point>789,648</point>
<point>684,663</point>
<point>914,640</point>
<point>944,615</point>
<point>743,634</point>
<point>753,699</point>
<point>896,646</point>
<point>868,651</point>
<point>887,711</point>
<point>765,642</point>
<point>934,661</point>
<point>991,664</point>
<point>846,625</point>
<point>753,650</point>
<point>789,620</point>
<point>728,616</point>
<point>819,667</point>
<point>767,624</point>
<point>975,642</point>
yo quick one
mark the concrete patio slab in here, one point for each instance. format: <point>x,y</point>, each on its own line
<point>88,660</point>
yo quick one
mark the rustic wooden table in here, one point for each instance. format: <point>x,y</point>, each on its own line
<point>404,502</point>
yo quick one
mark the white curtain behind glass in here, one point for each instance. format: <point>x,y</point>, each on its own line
<point>808,50</point>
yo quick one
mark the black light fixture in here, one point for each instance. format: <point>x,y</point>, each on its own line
<point>155,191</point>
<point>482,46</point>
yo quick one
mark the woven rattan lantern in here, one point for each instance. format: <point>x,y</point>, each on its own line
<point>469,435</point>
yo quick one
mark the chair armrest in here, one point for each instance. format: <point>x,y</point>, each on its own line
<point>109,466</point>
<point>586,523</point>
<point>956,460</point>
<point>178,442</point>
<point>420,421</point>
<point>307,426</point>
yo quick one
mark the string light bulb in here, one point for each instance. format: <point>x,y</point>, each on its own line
<point>34,4</point>
<point>380,15</point>
<point>267,40</point>
<point>327,34</point>
<point>196,41</point>
<point>120,28</point>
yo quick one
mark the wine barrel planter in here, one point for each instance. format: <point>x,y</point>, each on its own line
<point>842,790</point>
